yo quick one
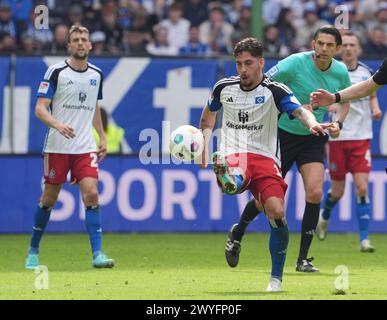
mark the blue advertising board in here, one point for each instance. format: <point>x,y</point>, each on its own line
<point>164,198</point>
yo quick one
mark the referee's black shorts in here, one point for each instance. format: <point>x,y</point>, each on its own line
<point>300,149</point>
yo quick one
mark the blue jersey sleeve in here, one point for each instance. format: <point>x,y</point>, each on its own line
<point>214,103</point>
<point>49,83</point>
<point>288,104</point>
<point>46,89</point>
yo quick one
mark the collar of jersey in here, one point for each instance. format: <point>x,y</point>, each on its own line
<point>80,71</point>
<point>263,78</point>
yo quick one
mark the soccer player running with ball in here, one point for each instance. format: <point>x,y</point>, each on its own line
<point>303,73</point>
<point>350,152</point>
<point>248,158</point>
<point>70,91</point>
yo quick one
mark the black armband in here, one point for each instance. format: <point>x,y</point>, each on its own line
<point>337,97</point>
<point>340,124</point>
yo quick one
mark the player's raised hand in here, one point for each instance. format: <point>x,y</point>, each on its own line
<point>321,98</point>
<point>102,149</point>
<point>65,130</point>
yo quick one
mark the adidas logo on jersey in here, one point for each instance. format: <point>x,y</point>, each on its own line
<point>69,83</point>
<point>230,99</point>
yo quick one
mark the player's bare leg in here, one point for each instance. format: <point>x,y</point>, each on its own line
<point>89,191</point>
<point>42,216</point>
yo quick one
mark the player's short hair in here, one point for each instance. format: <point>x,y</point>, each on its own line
<point>352,34</point>
<point>78,28</point>
<point>328,29</point>
<point>251,45</point>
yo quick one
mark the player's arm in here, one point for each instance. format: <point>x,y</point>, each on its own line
<point>359,90</point>
<point>308,119</point>
<point>41,111</point>
<point>354,92</point>
<point>207,123</point>
<point>97,123</point>
<point>375,108</point>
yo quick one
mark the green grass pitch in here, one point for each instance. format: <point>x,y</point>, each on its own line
<point>188,266</point>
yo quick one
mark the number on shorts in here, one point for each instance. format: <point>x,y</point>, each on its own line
<point>94,160</point>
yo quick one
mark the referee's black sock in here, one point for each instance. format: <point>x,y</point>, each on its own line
<point>308,228</point>
<point>248,215</point>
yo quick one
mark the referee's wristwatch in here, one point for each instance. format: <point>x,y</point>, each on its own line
<point>340,124</point>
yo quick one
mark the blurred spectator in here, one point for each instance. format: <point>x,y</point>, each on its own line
<point>42,38</point>
<point>59,45</point>
<point>380,17</point>
<point>75,15</point>
<point>376,45</point>
<point>110,27</point>
<point>272,46</point>
<point>20,14</point>
<point>177,26</point>
<point>194,47</point>
<point>195,11</point>
<point>6,24</point>
<point>287,31</point>
<point>242,28</point>
<point>157,8</point>
<point>234,12</point>
<point>354,25</point>
<point>271,10</point>
<point>114,134</point>
<point>28,45</point>
<point>98,39</point>
<point>160,46</point>
<point>142,23</point>
<point>216,32</point>
<point>7,43</point>
<point>123,13</point>
<point>309,27</point>
<point>135,43</point>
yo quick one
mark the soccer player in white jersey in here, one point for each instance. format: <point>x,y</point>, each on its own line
<point>350,152</point>
<point>67,104</point>
<point>248,158</point>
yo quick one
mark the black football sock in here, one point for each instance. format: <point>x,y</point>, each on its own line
<point>248,215</point>
<point>309,224</point>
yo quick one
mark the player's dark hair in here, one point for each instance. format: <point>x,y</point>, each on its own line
<point>328,29</point>
<point>251,45</point>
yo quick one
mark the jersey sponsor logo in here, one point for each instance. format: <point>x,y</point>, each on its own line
<point>82,96</point>
<point>272,72</point>
<point>69,83</point>
<point>230,100</point>
<point>93,82</point>
<point>259,99</point>
<point>43,88</point>
<point>243,116</point>
<point>249,127</point>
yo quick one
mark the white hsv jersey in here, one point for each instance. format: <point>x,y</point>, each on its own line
<point>74,96</point>
<point>250,118</point>
<point>358,123</point>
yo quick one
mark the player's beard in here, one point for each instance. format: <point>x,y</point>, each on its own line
<point>77,56</point>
